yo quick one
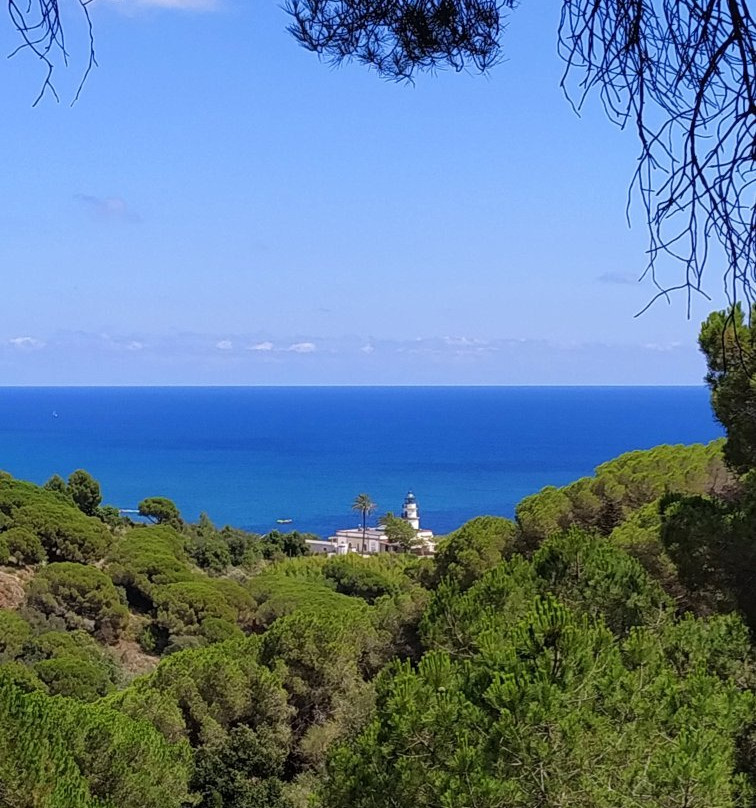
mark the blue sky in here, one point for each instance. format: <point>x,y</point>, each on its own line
<point>221,208</point>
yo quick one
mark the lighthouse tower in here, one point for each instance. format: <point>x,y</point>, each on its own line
<point>409,511</point>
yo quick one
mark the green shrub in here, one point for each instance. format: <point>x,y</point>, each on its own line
<point>245,548</point>
<point>84,597</point>
<point>201,694</point>
<point>75,678</point>
<point>619,487</point>
<point>214,629</point>
<point>324,653</point>
<point>78,643</point>
<point>65,533</point>
<point>15,632</point>
<point>277,544</point>
<point>363,578</point>
<point>479,545</point>
<point>84,490</point>
<point>57,484</point>
<point>146,558</point>
<point>640,536</point>
<point>22,677</point>
<point>589,574</point>
<point>183,607</point>
<point>59,753</point>
<point>72,664</point>
<point>112,517</point>
<point>279,592</point>
<point>183,642</point>
<point>18,494</point>
<point>24,546</point>
<point>161,510</point>
<point>554,711</point>
<point>210,553</point>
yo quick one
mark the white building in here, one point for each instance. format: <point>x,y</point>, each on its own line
<point>374,539</point>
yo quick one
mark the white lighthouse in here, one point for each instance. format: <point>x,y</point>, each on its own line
<point>374,540</point>
<point>409,511</point>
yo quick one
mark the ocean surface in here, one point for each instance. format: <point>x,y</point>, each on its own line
<point>248,456</point>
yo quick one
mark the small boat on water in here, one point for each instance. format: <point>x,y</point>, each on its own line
<point>284,521</point>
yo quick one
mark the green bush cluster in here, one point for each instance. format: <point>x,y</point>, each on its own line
<point>620,487</point>
<point>477,546</point>
<point>83,597</point>
<point>365,578</point>
<point>564,678</point>
<point>278,592</point>
<point>186,607</point>
<point>66,663</point>
<point>59,753</point>
<point>39,523</point>
<point>216,550</point>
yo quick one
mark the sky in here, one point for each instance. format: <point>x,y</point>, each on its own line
<point>220,207</point>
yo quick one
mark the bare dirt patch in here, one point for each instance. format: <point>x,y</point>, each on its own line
<point>12,589</point>
<point>133,659</point>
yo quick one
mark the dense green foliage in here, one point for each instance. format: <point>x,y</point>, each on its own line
<point>729,345</point>
<point>476,547</point>
<point>399,532</point>
<point>15,632</point>
<point>82,596</point>
<point>160,510</point>
<point>65,533</point>
<point>710,538</point>
<point>620,487</point>
<point>712,543</point>
<point>48,525</point>
<point>84,490</point>
<point>58,753</point>
<point>363,578</point>
<point>556,710</point>
<point>20,546</point>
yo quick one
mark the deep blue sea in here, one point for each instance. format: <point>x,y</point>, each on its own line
<point>248,456</point>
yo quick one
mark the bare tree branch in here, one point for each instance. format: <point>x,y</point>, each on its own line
<point>39,25</point>
<point>683,73</point>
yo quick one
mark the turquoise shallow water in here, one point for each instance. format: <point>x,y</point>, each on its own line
<point>248,456</point>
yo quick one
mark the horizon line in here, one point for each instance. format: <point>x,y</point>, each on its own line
<point>190,386</point>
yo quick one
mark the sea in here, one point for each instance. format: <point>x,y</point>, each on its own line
<point>248,456</point>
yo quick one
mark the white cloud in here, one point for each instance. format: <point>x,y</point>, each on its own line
<point>464,342</point>
<point>109,207</point>
<point>302,347</point>
<point>367,349</point>
<point>224,345</point>
<point>134,345</point>
<point>27,343</point>
<point>663,347</point>
<point>622,278</point>
<point>261,346</point>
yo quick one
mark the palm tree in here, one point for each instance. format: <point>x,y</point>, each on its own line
<point>365,506</point>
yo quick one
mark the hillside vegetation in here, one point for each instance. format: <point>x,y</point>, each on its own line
<point>570,657</point>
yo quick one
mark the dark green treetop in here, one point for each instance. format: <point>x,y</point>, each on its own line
<point>160,510</point>
<point>84,491</point>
